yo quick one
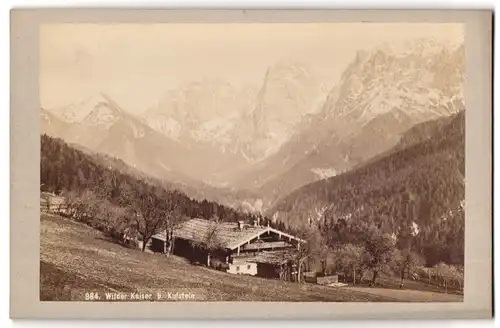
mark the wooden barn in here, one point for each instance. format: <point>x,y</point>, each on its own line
<point>242,248</point>
<point>51,203</point>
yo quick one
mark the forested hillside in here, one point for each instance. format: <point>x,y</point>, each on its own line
<point>382,93</point>
<point>416,134</point>
<point>195,189</point>
<point>416,194</point>
<point>101,183</point>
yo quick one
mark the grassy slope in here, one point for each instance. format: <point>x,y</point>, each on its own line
<point>76,259</point>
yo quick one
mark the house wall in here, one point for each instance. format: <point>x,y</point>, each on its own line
<point>243,268</point>
<point>271,241</point>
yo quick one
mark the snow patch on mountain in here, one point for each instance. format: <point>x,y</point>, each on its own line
<point>165,125</point>
<point>252,207</point>
<point>215,131</point>
<point>417,47</point>
<point>318,215</point>
<point>288,93</point>
<point>163,166</point>
<point>45,116</point>
<point>102,116</point>
<point>324,173</point>
<point>216,183</point>
<point>137,130</point>
<point>422,78</point>
<point>415,229</point>
<point>275,216</point>
<point>250,122</point>
<point>76,112</point>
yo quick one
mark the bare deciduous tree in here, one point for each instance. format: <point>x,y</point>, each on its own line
<point>405,264</point>
<point>174,219</point>
<point>448,273</point>
<point>80,205</point>
<point>312,246</point>
<point>211,239</point>
<point>149,210</point>
<point>378,252</point>
<point>349,259</point>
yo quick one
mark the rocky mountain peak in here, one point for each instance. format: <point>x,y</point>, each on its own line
<point>105,113</point>
<point>419,77</point>
<point>289,91</point>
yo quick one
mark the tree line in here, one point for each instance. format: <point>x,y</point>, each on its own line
<point>415,193</point>
<point>401,214</point>
<point>372,253</point>
<point>117,202</point>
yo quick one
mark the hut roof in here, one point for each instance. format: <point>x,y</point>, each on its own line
<point>228,233</point>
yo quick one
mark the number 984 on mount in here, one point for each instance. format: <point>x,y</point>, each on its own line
<point>92,296</point>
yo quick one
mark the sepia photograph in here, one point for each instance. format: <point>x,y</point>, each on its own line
<point>252,162</point>
<point>277,164</point>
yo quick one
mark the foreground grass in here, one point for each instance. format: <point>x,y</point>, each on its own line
<point>75,259</point>
<point>59,285</point>
<point>409,294</point>
<point>393,283</point>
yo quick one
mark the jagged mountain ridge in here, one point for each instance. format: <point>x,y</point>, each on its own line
<point>223,136</point>
<point>76,112</point>
<point>233,126</point>
<point>288,92</point>
<point>109,130</point>
<point>380,96</point>
<point>248,121</point>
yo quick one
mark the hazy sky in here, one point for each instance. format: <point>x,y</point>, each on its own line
<point>136,63</point>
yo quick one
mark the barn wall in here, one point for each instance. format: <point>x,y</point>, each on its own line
<point>184,248</point>
<point>157,245</point>
<point>267,270</point>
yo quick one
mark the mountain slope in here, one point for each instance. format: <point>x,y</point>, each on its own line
<point>241,200</point>
<point>108,129</point>
<point>416,134</point>
<point>53,125</point>
<point>64,167</point>
<point>210,118</point>
<point>419,187</point>
<point>381,95</point>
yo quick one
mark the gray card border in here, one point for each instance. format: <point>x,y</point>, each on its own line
<point>25,155</point>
